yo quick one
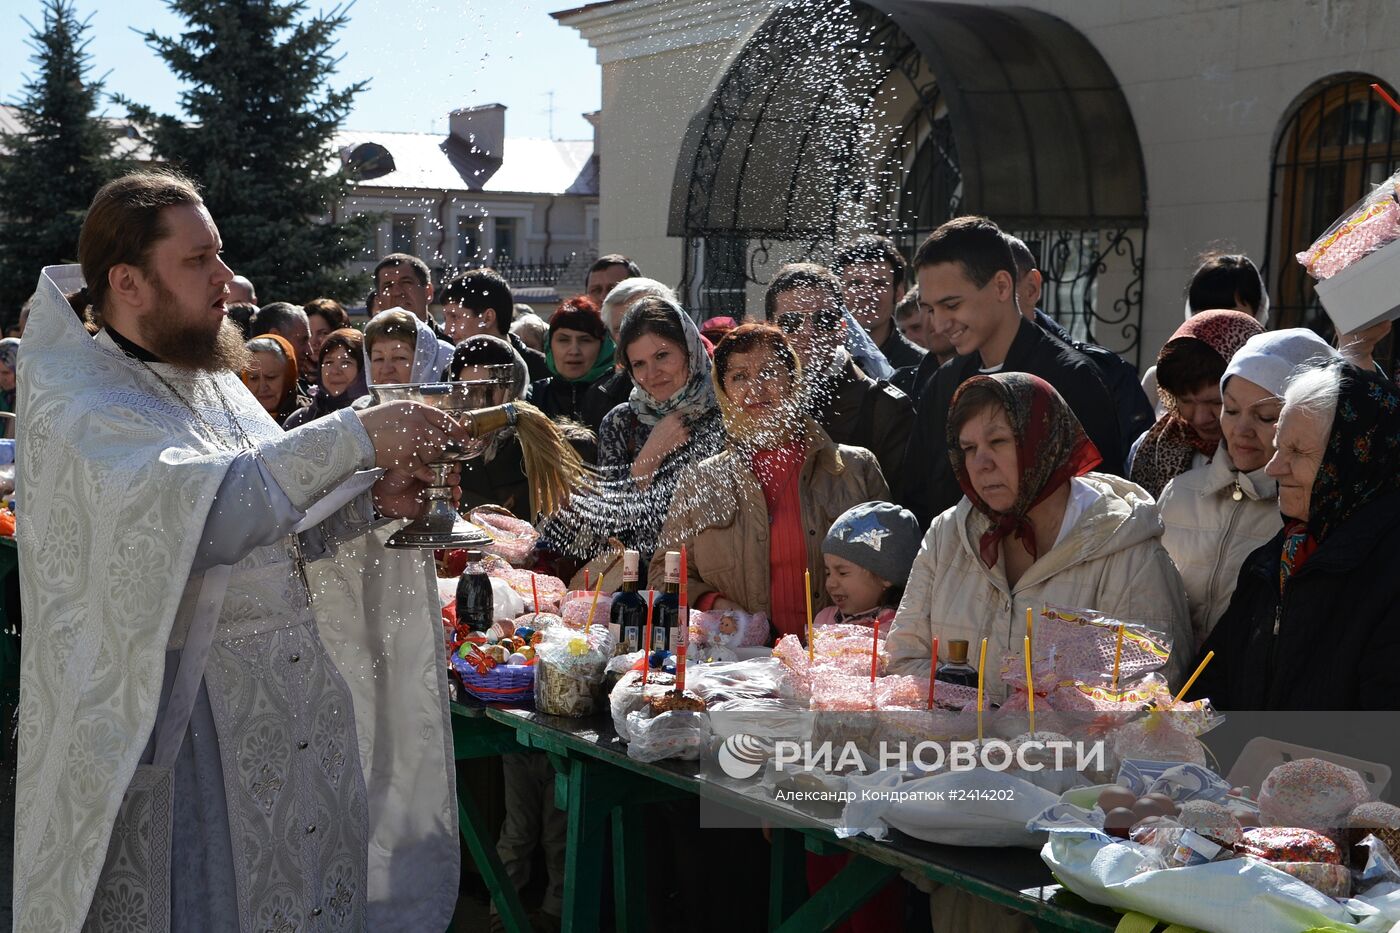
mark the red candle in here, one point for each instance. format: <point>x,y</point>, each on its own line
<point>933,672</point>
<point>646,648</point>
<point>586,587</point>
<point>685,625</point>
<point>534,591</point>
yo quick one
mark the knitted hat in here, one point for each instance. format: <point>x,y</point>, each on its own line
<point>1268,359</point>
<point>879,536</point>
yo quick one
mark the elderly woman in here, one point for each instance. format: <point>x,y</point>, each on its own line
<point>340,377</point>
<point>755,514</point>
<point>1036,528</point>
<point>579,354</point>
<point>1188,378</point>
<point>9,357</point>
<point>1216,514</point>
<point>401,348</point>
<point>1315,620</point>
<point>271,375</point>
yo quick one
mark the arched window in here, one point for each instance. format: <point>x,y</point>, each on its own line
<point>1338,142</point>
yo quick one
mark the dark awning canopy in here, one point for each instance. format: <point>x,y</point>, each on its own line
<point>1043,133</point>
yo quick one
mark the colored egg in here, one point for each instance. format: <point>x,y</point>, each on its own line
<point>475,638</point>
<point>1118,822</point>
<point>525,632</point>
<point>517,660</point>
<point>527,653</point>
<point>1111,798</point>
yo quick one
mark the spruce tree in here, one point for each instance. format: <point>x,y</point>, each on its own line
<point>51,168</point>
<point>259,121</point>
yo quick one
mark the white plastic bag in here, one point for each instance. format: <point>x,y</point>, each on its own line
<point>958,808</point>
<point>676,734</point>
<point>1240,895</point>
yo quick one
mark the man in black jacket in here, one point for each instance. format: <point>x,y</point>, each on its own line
<point>1135,413</point>
<point>479,301</point>
<point>872,276</point>
<point>968,277</point>
<point>805,300</point>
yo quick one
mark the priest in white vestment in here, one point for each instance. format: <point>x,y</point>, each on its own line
<point>202,589</point>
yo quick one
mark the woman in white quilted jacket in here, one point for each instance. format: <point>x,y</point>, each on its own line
<point>1034,528</point>
<point>1216,514</point>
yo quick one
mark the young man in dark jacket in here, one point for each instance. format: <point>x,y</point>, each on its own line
<point>968,278</point>
<point>805,300</point>
<point>872,277</point>
<point>483,302</point>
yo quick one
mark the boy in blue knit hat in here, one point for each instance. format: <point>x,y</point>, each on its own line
<point>868,552</point>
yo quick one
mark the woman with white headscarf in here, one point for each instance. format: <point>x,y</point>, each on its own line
<point>1216,514</point>
<point>400,348</point>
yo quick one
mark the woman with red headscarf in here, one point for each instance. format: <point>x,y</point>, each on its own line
<point>1189,369</point>
<point>1035,528</point>
<point>271,375</point>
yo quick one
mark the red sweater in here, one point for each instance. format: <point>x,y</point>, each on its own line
<point>778,473</point>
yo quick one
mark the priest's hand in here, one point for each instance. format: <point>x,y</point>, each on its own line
<point>407,436</point>
<point>399,494</point>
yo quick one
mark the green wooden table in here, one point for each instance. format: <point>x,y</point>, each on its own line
<point>599,786</point>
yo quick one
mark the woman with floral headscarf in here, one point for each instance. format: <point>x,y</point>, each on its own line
<point>670,420</point>
<point>1188,380</point>
<point>9,357</point>
<point>1035,528</point>
<point>1314,623</point>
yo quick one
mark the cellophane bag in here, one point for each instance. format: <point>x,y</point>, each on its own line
<point>512,539</point>
<point>728,628</point>
<point>1371,223</point>
<point>569,669</point>
<point>673,734</point>
<point>1080,645</point>
<point>550,590</point>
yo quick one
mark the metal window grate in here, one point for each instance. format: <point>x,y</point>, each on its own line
<point>1338,142</point>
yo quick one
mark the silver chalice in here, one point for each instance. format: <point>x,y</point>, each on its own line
<point>481,406</point>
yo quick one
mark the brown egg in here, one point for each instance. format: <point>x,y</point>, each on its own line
<point>1154,806</point>
<point>1169,805</point>
<point>1114,797</point>
<point>1119,822</point>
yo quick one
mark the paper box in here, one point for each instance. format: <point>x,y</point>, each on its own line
<point>1365,292</point>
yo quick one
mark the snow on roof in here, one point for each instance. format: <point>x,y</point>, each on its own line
<point>445,163</point>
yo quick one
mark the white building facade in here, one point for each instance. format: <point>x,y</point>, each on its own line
<point>1121,138</point>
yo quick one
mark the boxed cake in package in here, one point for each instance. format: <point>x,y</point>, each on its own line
<point>1356,261</point>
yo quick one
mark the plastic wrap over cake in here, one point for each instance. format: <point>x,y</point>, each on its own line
<point>1371,223</point>
<point>550,590</point>
<point>512,539</point>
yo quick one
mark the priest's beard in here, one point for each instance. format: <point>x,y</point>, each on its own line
<point>167,334</point>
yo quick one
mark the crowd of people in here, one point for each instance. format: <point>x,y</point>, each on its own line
<point>1038,466</point>
<point>917,438</point>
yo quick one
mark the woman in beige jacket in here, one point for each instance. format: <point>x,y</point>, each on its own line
<point>754,515</point>
<point>1216,514</point>
<point>1036,528</point>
